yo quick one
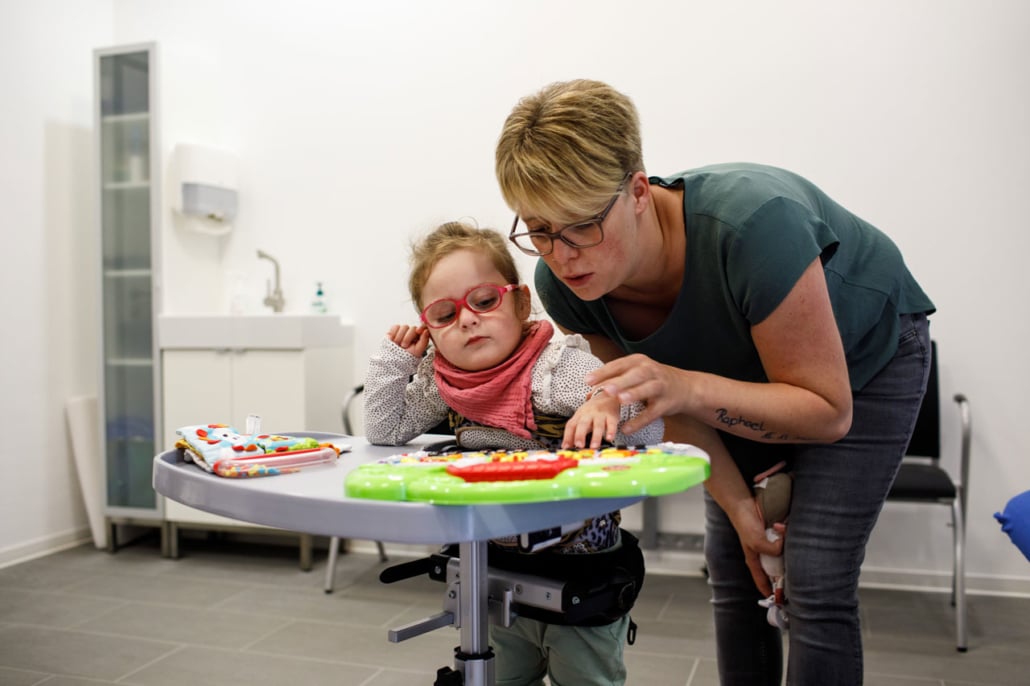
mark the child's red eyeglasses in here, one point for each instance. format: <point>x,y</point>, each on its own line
<point>485,297</point>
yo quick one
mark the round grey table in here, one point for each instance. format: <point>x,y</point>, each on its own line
<point>313,501</point>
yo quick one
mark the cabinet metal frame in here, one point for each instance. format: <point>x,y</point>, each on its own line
<point>119,514</point>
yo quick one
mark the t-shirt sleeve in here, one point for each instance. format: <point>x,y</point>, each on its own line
<point>770,252</point>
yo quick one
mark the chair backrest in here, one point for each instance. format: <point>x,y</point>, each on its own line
<point>351,405</point>
<point>926,438</point>
<point>352,409</point>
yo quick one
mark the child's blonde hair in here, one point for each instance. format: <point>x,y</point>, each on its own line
<point>450,237</point>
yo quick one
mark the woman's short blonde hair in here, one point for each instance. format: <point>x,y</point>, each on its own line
<point>565,149</point>
<point>451,237</point>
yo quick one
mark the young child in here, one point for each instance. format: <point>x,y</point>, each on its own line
<point>479,360</point>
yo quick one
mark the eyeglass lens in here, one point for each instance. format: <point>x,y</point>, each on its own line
<point>480,299</point>
<point>583,235</point>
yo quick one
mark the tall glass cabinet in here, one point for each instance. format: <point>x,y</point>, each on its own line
<point>129,202</point>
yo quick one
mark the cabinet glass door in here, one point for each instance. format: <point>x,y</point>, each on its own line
<point>124,145</point>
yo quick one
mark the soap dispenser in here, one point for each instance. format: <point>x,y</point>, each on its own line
<point>318,305</point>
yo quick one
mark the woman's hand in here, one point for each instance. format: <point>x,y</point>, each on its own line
<point>414,339</point>
<point>598,418</point>
<point>751,530</point>
<point>734,497</point>
<point>638,378</point>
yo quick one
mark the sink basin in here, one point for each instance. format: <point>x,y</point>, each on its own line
<point>268,331</point>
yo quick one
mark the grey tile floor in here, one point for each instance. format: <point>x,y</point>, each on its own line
<point>229,613</point>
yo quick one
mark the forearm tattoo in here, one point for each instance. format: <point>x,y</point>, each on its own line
<point>723,417</point>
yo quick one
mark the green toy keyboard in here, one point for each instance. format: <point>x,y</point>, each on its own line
<point>505,477</point>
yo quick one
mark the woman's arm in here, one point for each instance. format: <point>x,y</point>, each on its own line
<point>807,397</point>
<point>725,484</point>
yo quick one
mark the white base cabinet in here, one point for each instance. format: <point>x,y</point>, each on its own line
<point>291,388</point>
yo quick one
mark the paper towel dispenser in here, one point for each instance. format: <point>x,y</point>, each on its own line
<point>210,202</point>
<point>205,184</point>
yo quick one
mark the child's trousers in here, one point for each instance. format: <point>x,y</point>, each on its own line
<point>568,655</point>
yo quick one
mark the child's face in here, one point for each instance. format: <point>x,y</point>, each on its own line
<point>475,340</point>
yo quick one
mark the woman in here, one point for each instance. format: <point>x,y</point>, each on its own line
<point>763,320</point>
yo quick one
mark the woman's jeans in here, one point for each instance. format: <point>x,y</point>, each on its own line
<point>838,492</point>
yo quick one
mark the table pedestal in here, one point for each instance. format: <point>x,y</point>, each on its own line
<point>474,658</point>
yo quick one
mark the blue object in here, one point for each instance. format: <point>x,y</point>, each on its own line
<point>128,427</point>
<point>1015,521</point>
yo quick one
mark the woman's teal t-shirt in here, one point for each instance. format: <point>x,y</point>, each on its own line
<point>751,231</point>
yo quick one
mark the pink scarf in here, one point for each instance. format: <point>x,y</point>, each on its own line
<point>502,395</point>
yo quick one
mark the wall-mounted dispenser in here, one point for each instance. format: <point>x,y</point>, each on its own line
<point>205,184</point>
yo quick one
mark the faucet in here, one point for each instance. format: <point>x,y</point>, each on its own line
<point>273,298</point>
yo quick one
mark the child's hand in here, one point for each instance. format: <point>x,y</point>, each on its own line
<point>414,339</point>
<point>598,418</point>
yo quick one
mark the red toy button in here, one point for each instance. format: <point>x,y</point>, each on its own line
<point>512,471</point>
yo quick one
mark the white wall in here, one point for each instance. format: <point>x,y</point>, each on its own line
<point>359,125</point>
<point>48,282</point>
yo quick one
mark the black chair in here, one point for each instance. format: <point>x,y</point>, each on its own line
<point>921,479</point>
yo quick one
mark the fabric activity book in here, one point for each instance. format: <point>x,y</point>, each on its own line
<point>222,450</point>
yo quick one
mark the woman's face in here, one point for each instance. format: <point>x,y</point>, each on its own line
<point>474,340</point>
<point>598,270</point>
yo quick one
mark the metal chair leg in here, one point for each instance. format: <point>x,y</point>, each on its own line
<point>334,554</point>
<point>330,567</point>
<point>306,545</point>
<point>959,580</point>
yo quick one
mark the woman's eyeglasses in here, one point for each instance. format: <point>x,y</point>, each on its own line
<point>585,234</point>
<point>483,298</point>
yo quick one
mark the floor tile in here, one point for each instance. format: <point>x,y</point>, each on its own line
<point>177,589</point>
<point>211,667</point>
<point>393,677</point>
<point>873,679</point>
<point>58,610</point>
<point>20,677</point>
<point>84,617</point>
<point>312,604</point>
<point>219,560</point>
<point>649,668</point>
<point>361,645</point>
<point>76,653</point>
<point>199,626</point>
<point>706,674</point>
<point>75,681</point>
